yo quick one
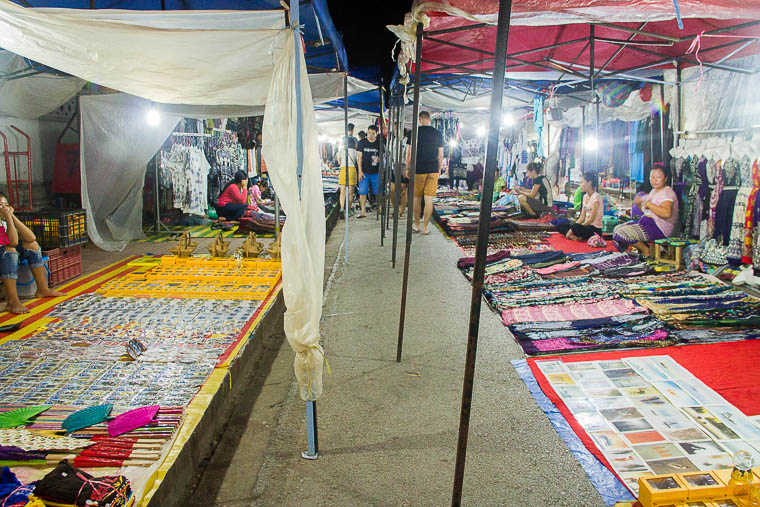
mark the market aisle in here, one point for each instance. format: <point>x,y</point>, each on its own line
<point>388,431</point>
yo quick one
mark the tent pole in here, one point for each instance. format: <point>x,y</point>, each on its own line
<point>410,192</point>
<point>481,249</point>
<point>678,98</point>
<point>662,123</point>
<point>388,163</point>
<point>381,198</point>
<point>592,48</point>
<point>311,405</point>
<point>156,213</point>
<point>345,142</point>
<point>397,170</point>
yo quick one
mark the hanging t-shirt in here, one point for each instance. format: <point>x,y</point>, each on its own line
<point>370,155</point>
<point>429,140</point>
<point>588,207</point>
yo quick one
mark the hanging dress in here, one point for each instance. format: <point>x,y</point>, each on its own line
<point>736,241</point>
<point>750,216</point>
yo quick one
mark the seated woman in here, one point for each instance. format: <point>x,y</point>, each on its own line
<point>590,221</point>
<point>233,200</point>
<point>19,243</point>
<point>660,209</point>
<point>538,200</point>
<point>256,186</point>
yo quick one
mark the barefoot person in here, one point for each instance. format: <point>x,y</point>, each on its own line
<point>427,168</point>
<point>19,243</point>
<point>660,209</point>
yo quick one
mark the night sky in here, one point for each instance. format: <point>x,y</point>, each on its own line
<point>362,23</point>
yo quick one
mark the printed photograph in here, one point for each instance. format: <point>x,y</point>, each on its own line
<point>684,434</point>
<point>702,447</point>
<point>591,421</point>
<point>672,466</point>
<point>619,414</point>
<point>560,379</point>
<point>635,381</point>
<point>632,425</point>
<point>608,440</point>
<point>569,392</point>
<point>644,437</point>
<point>626,462</point>
<point>603,393</point>
<point>612,365</point>
<point>622,373</point>
<point>640,391</point>
<point>550,367</point>
<point>675,394</point>
<point>712,424</point>
<point>657,451</point>
<point>713,461</point>
<point>611,403</point>
<point>586,365</point>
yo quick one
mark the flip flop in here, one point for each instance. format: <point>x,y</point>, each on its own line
<point>425,233</point>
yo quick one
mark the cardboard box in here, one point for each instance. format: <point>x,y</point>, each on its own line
<point>703,485</point>
<point>661,489</point>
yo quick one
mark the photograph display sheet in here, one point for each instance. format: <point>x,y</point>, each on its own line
<point>652,416</point>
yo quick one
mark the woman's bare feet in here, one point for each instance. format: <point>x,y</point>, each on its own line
<point>48,293</point>
<point>16,308</point>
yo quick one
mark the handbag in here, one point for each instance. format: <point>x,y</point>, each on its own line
<point>714,253</point>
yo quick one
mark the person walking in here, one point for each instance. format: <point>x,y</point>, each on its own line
<point>347,176</point>
<point>368,161</point>
<point>427,168</point>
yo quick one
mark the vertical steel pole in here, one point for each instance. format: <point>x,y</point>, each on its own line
<point>389,162</point>
<point>662,123</point>
<point>381,198</point>
<point>499,67</point>
<point>678,99</point>
<point>397,172</point>
<point>410,193</point>
<point>157,213</point>
<point>591,70</point>
<point>345,141</point>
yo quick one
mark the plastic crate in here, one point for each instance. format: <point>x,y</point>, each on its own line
<point>58,228</point>
<point>64,264</point>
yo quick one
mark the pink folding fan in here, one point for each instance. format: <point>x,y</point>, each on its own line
<point>132,420</point>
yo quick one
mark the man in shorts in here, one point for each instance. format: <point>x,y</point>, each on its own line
<point>427,168</point>
<point>347,175</point>
<point>368,161</point>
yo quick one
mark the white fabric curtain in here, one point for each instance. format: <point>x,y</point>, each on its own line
<point>113,162</point>
<point>303,237</point>
<point>31,97</point>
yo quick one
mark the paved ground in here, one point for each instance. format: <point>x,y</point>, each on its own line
<point>388,430</point>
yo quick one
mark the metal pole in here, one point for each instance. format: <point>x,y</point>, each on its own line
<point>592,46</point>
<point>380,136</point>
<point>410,192</point>
<point>679,98</point>
<point>158,200</point>
<point>662,123</point>
<point>389,163</point>
<point>345,141</point>
<point>381,198</point>
<point>397,172</point>
<point>481,249</point>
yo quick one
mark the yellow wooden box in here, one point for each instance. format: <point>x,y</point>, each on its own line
<point>730,501</point>
<point>661,489</point>
<point>703,485</point>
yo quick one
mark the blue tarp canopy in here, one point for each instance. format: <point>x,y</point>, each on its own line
<point>324,46</point>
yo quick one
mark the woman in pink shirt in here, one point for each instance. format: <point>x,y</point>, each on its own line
<point>660,209</point>
<point>233,200</point>
<point>590,221</point>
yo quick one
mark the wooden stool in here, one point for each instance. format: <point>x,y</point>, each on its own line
<point>672,254</point>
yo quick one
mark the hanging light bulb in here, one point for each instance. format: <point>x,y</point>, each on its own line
<point>153,117</point>
<point>507,120</point>
<point>481,131</point>
<point>452,143</point>
<point>591,144</point>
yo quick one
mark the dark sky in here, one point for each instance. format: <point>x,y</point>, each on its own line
<point>362,24</point>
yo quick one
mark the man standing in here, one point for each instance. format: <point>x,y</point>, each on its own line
<point>347,177</point>
<point>427,168</point>
<point>368,156</point>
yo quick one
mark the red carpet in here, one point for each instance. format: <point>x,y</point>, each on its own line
<point>730,369</point>
<point>559,242</point>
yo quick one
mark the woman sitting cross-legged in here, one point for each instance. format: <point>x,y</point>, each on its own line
<point>233,200</point>
<point>660,209</point>
<point>538,200</point>
<point>590,221</point>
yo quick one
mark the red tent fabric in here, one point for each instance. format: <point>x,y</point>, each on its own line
<point>540,23</point>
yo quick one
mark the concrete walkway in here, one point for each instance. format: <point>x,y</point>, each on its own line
<point>387,430</point>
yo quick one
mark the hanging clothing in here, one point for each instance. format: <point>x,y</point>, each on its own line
<point>749,217</point>
<point>186,170</point>
<point>538,122</point>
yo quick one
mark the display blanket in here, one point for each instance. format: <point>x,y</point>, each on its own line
<point>643,412</point>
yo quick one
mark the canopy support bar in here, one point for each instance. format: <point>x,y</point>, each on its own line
<point>410,192</point>
<point>502,36</point>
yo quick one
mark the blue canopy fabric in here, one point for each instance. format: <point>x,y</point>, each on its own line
<point>324,46</point>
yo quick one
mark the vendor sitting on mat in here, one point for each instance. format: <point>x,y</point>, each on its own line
<point>590,221</point>
<point>19,243</point>
<point>255,188</point>
<point>660,209</point>
<point>233,200</point>
<point>538,200</point>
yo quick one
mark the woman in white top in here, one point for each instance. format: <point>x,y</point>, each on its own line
<point>590,221</point>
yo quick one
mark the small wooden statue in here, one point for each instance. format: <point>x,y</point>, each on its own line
<point>185,246</point>
<point>275,248</point>
<point>251,247</point>
<point>220,247</point>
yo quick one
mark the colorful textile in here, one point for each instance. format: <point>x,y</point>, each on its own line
<point>749,214</point>
<point>645,229</point>
<point>557,268</point>
<point>659,197</point>
<point>715,198</point>
<point>572,311</point>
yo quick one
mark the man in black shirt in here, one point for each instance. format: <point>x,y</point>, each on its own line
<point>427,168</point>
<point>368,160</point>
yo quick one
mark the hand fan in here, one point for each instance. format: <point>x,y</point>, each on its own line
<point>20,416</point>
<point>132,420</point>
<point>86,417</point>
